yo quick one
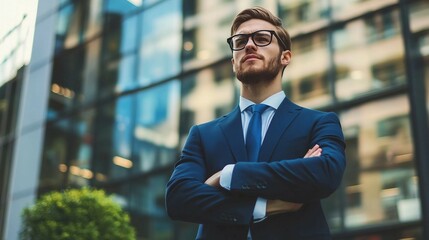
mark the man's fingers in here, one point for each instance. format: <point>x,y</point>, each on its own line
<point>315,151</point>
<point>315,147</point>
<point>214,180</point>
<point>307,154</point>
<point>311,150</point>
<point>279,206</point>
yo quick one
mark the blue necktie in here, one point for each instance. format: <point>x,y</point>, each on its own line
<point>253,135</point>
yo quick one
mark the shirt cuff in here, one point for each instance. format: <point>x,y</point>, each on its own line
<point>226,176</point>
<point>259,212</point>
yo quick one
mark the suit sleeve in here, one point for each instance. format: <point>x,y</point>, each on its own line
<point>301,179</point>
<point>188,198</point>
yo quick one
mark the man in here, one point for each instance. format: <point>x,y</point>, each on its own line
<point>259,172</point>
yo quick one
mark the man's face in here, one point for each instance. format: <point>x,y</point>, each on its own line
<point>254,64</point>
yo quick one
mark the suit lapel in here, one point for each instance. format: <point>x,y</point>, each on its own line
<point>283,117</point>
<point>233,132</point>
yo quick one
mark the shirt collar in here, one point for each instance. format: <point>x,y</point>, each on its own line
<point>273,101</point>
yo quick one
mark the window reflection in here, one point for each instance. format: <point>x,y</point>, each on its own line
<point>207,26</point>
<point>80,160</point>
<point>380,180</point>
<point>304,16</point>
<point>402,233</point>
<point>126,74</point>
<point>63,29</point>
<point>129,34</point>
<point>77,22</point>
<point>147,208</point>
<point>74,79</point>
<point>149,2</point>
<point>10,93</point>
<point>347,9</point>
<point>156,128</point>
<point>121,28</point>
<point>62,2</point>
<point>55,156</point>
<point>111,41</point>
<point>160,45</point>
<point>118,76</point>
<point>420,28</point>
<point>205,31</point>
<point>382,26</point>
<point>119,56</point>
<point>363,63</point>
<point>68,152</point>
<point>304,85</point>
<point>207,94</point>
<point>424,49</point>
<point>113,148</point>
<point>122,7</point>
<point>6,152</point>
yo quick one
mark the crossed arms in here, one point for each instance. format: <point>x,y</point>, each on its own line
<point>192,193</point>
<point>274,206</point>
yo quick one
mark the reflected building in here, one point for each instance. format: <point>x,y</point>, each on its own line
<point>118,84</point>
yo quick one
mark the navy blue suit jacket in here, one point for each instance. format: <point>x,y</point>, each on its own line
<point>281,173</point>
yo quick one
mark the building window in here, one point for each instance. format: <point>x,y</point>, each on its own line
<point>366,67</point>
<point>309,86</point>
<point>161,41</point>
<point>382,25</point>
<point>380,180</point>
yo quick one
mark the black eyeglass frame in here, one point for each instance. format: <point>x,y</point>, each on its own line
<point>272,32</point>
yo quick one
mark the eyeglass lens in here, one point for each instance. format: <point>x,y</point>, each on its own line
<point>260,38</point>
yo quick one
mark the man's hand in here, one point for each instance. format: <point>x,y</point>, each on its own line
<point>279,206</point>
<point>316,151</point>
<point>214,180</point>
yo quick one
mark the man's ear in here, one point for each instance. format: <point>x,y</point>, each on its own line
<point>233,66</point>
<point>286,57</point>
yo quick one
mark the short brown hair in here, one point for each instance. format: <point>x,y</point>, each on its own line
<point>263,14</point>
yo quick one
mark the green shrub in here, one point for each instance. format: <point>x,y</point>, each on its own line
<point>77,214</point>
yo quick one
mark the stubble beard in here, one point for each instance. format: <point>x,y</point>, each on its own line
<point>252,76</point>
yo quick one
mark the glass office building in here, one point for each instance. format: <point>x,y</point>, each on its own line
<point>114,86</point>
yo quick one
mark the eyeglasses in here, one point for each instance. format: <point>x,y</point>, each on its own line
<point>260,38</point>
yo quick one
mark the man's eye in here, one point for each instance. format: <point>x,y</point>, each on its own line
<point>262,38</point>
<point>240,41</point>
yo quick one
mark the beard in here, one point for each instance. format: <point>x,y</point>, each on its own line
<point>267,74</point>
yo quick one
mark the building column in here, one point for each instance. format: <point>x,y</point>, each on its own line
<point>26,159</point>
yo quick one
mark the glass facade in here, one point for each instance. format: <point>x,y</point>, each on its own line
<point>380,184</point>
<point>129,79</point>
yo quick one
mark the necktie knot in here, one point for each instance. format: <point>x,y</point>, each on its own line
<point>259,108</point>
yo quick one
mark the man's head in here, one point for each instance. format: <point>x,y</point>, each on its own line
<point>262,14</point>
<point>260,45</point>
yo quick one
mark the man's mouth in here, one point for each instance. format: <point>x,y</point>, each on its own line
<point>250,57</point>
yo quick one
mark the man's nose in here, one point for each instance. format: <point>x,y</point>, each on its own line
<point>250,44</point>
